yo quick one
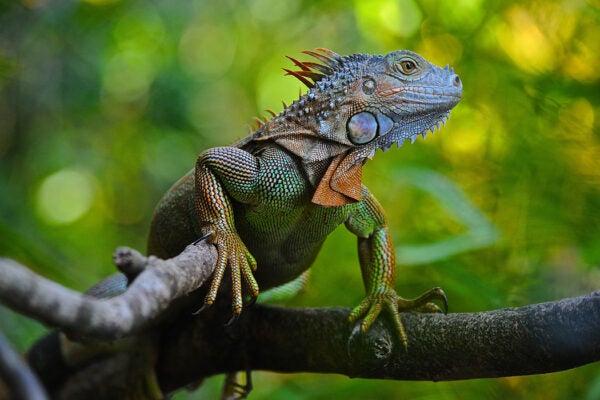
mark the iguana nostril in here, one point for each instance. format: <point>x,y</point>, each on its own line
<point>457,81</point>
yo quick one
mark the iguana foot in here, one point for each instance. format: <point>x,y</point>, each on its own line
<point>234,389</point>
<point>424,304</point>
<point>232,254</point>
<point>370,308</point>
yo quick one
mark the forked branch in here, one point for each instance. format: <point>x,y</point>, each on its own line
<point>156,285</point>
<point>534,339</point>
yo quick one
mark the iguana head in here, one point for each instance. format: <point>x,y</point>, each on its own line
<point>358,104</point>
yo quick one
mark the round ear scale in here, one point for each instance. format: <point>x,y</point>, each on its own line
<point>385,124</point>
<point>362,128</point>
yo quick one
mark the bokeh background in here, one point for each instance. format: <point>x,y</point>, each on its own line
<point>105,103</point>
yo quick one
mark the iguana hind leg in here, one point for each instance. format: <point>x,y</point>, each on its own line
<point>235,388</point>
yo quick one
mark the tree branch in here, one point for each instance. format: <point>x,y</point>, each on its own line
<point>516,341</point>
<point>534,339</point>
<point>157,285</point>
<point>21,382</point>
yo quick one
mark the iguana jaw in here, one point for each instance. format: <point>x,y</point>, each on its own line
<point>408,131</point>
<point>401,132</point>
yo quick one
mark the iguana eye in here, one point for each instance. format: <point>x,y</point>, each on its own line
<point>362,128</point>
<point>368,86</point>
<point>408,66</point>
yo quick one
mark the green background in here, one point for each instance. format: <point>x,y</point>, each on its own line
<point>104,104</point>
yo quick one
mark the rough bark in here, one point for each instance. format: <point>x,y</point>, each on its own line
<point>185,349</point>
<point>534,339</point>
<point>156,285</point>
<point>19,379</point>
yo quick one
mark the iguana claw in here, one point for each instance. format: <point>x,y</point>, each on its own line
<point>199,311</point>
<point>203,237</point>
<point>232,254</point>
<point>370,308</point>
<point>234,318</point>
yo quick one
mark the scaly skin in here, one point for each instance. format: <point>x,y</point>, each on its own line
<point>270,200</point>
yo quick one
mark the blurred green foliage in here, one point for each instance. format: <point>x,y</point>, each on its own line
<point>105,103</point>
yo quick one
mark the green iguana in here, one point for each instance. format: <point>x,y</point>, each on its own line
<point>268,201</point>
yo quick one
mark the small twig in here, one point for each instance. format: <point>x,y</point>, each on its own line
<point>159,282</point>
<point>21,381</point>
<point>129,262</point>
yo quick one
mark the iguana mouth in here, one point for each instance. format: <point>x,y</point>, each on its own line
<point>432,128</point>
<point>432,91</point>
<point>386,141</point>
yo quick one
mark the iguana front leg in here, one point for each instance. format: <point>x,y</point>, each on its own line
<point>378,266</point>
<point>223,173</point>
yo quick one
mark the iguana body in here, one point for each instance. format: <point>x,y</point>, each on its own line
<point>270,200</point>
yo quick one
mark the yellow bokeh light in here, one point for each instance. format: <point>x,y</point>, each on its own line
<point>132,67</point>
<point>128,75</point>
<point>576,128</point>
<point>441,49</point>
<point>469,131</point>
<point>577,120</point>
<point>379,18</point>
<point>223,118</point>
<point>583,64</point>
<point>207,50</point>
<point>65,196</point>
<point>521,38</point>
<point>273,10</point>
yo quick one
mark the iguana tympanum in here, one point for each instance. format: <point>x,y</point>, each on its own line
<point>268,201</point>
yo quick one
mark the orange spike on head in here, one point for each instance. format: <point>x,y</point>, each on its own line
<point>330,53</point>
<point>299,77</point>
<point>259,121</point>
<point>325,59</point>
<point>315,76</point>
<point>324,69</point>
<point>328,62</point>
<point>299,64</point>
